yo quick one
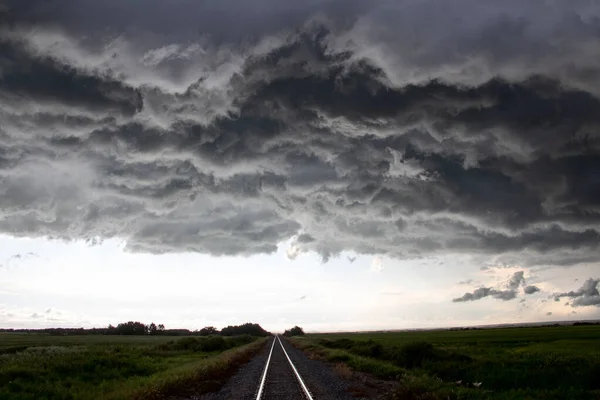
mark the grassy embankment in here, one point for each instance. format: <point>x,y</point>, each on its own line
<point>512,363</point>
<point>89,367</point>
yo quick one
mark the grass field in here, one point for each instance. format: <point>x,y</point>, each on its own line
<point>89,367</point>
<point>512,363</point>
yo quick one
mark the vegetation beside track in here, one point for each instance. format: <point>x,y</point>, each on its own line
<point>44,367</point>
<point>555,362</point>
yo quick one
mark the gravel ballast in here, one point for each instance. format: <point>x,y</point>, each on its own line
<point>318,376</point>
<point>243,385</point>
<point>281,383</point>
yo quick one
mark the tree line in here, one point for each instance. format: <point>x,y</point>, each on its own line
<point>136,328</point>
<point>139,329</point>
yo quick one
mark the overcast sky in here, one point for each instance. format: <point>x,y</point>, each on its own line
<point>335,164</point>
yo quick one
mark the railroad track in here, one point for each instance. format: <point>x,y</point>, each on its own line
<point>280,379</point>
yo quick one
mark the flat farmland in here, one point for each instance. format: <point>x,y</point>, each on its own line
<point>553,362</point>
<point>10,340</point>
<point>113,367</point>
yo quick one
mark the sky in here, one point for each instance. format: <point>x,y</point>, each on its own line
<point>340,165</point>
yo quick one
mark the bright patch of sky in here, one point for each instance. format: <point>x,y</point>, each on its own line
<point>45,283</point>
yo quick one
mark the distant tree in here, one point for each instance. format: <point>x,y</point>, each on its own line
<point>207,331</point>
<point>138,328</point>
<point>295,331</point>
<point>131,328</point>
<point>244,329</point>
<point>152,329</point>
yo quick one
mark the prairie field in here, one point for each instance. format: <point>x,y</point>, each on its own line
<point>44,367</point>
<point>552,362</point>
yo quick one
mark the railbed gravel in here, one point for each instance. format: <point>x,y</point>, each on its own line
<point>281,383</point>
<point>243,385</point>
<point>321,380</point>
<point>318,376</point>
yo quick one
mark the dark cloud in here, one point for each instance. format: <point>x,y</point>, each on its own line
<point>482,292</point>
<point>530,289</point>
<point>548,313</point>
<point>386,128</point>
<point>304,238</point>
<point>179,19</point>
<point>516,279</point>
<point>587,295</point>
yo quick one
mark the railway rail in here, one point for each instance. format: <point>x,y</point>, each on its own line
<point>280,378</point>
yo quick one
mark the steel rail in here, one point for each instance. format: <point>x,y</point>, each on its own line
<point>304,388</point>
<point>263,380</point>
<point>264,375</point>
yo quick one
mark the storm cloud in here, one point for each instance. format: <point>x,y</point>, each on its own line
<point>586,295</point>
<point>516,279</point>
<point>483,292</point>
<point>530,289</point>
<point>399,129</point>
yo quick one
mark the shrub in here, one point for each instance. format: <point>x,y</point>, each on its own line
<point>240,340</point>
<point>213,343</point>
<point>206,344</point>
<point>186,343</point>
<point>413,355</point>
<point>367,348</point>
<point>345,344</point>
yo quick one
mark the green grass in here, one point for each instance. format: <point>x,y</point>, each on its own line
<point>115,367</point>
<point>9,340</point>
<point>512,363</point>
